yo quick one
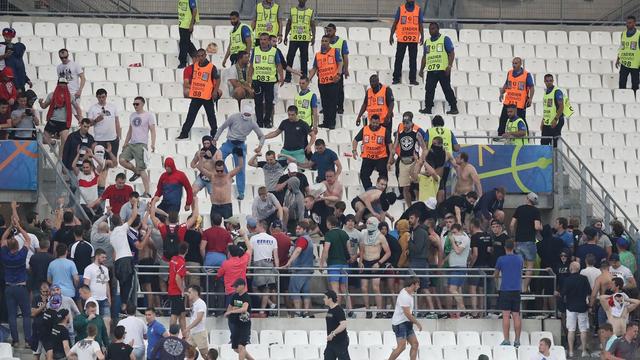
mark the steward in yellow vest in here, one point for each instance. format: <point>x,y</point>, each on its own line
<point>187,17</point>
<point>629,55</point>
<point>240,39</point>
<point>301,30</point>
<point>267,20</point>
<point>438,57</point>
<point>555,108</point>
<point>516,131</point>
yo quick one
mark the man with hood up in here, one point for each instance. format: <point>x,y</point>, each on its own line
<point>372,245</point>
<point>170,187</point>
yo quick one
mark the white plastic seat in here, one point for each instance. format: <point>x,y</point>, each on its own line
<point>624,96</point>
<point>39,58</point>
<point>491,338</point>
<point>47,72</point>
<point>223,31</point>
<point>380,63</point>
<point>557,37</point>
<point>501,50</point>
<point>535,37</point>
<point>67,30</point>
<point>478,108</point>
<point>458,78</point>
<point>610,52</point>
<point>632,110</point>
<point>42,30</point>
<point>99,45</point>
<point>601,38</point>
<point>602,152</point>
<point>139,75</point>
<point>90,30</point>
<point>591,81</point>
<point>491,36</point>
<point>281,352</point>
<point>369,338</point>
<point>113,31</point>
<point>455,352</point>
<point>135,31</point>
<point>368,48</point>
<point>167,46</point>
<point>353,337</point>
<point>158,31</point>
<point>430,352</point>
<point>306,352</point>
<point>52,44</point>
<point>590,52</point>
<point>476,350</point>
<point>203,32</point>
<point>317,337</point>
<point>127,89</point>
<point>600,66</point>
<point>469,36</point>
<point>626,181</point>
<point>600,125</point>
<point>295,337</point>
<point>22,28</point>
<point>451,33</point>
<point>380,34</point>
<point>357,33</point>
<point>444,338</point>
<point>590,139</point>
<point>424,337</point>
<point>108,60</point>
<point>558,352</point>
<point>579,95</point>
<point>614,167</point>
<point>153,61</point>
<point>466,122</point>
<point>358,352</point>
<point>76,44</point>
<point>6,350</point>
<point>546,51</point>
<point>128,59</point>
<point>219,337</point>
<point>85,58</point>
<point>144,46</point>
<point>513,37</point>
<point>535,66</point>
<point>524,51</point>
<point>357,62</point>
<point>94,73</point>
<point>504,353</point>
<point>556,66</point>
<point>467,93</point>
<point>258,351</point>
<point>488,65</point>
<point>121,45</point>
<point>579,66</point>
<point>602,96</point>
<point>32,43</point>
<point>612,110</point>
<point>479,78</point>
<point>568,52</point>
<point>382,352</point>
<point>527,351</point>
<point>149,89</point>
<point>269,337</point>
<point>468,64</point>
<point>468,338</point>
<point>479,50</point>
<point>624,125</point>
<point>590,110</point>
<point>568,80</point>
<point>579,38</point>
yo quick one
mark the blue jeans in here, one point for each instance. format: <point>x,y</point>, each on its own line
<point>18,296</point>
<point>227,149</point>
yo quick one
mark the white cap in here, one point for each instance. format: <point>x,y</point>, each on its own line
<point>431,203</point>
<point>292,167</point>
<point>533,197</point>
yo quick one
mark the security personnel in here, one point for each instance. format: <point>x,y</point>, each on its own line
<point>340,44</point>
<point>264,71</point>
<point>302,27</point>
<point>555,107</point>
<point>449,145</point>
<point>187,17</point>
<point>516,131</point>
<point>629,55</point>
<point>328,65</point>
<point>409,31</point>
<point>202,85</point>
<point>517,90</point>
<point>438,58</point>
<point>378,100</point>
<point>267,20</point>
<point>408,140</point>
<point>307,103</point>
<point>376,147</point>
<point>241,39</point>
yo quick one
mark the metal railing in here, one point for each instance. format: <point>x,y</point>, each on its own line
<point>447,11</point>
<point>487,299</point>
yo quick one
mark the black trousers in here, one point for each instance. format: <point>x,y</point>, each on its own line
<point>303,46</point>
<point>264,103</point>
<point>635,77</point>
<point>185,45</point>
<point>547,130</point>
<point>194,107</point>
<point>522,113</point>
<point>433,78</point>
<point>368,165</point>
<point>337,351</point>
<point>329,98</point>
<point>413,56</point>
<point>341,94</point>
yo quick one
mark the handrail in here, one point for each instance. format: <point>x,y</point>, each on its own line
<point>620,9</point>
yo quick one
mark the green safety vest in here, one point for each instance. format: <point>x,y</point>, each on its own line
<point>549,106</point>
<point>305,111</point>
<point>264,65</point>
<point>237,44</point>
<point>301,24</point>
<point>512,126</point>
<point>184,14</point>
<point>629,53</point>
<point>267,19</point>
<point>445,134</point>
<point>437,57</point>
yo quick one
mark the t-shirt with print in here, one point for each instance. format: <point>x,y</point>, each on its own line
<point>88,187</point>
<point>24,123</point>
<point>86,349</point>
<point>525,227</point>
<point>59,114</point>
<point>59,333</point>
<point>105,129</point>
<point>272,172</point>
<point>197,307</point>
<point>98,276</point>
<point>482,241</point>
<point>295,134</point>
<point>237,301</point>
<point>140,125</point>
<point>263,245</point>
<point>71,71</point>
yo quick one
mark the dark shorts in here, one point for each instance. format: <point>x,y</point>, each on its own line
<point>476,279</point>
<point>443,179</point>
<point>115,147</point>
<point>509,301</point>
<point>177,305</point>
<point>354,280</point>
<point>55,127</point>
<point>337,351</point>
<point>240,334</point>
<point>148,279</point>
<point>403,330</point>
<point>372,274</point>
<point>225,210</point>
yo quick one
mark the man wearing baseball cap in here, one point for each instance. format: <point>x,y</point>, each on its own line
<point>238,312</point>
<point>11,56</point>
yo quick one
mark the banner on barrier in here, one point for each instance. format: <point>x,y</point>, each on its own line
<point>520,169</point>
<point>18,165</point>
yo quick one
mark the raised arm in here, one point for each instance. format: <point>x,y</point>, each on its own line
<point>195,214</point>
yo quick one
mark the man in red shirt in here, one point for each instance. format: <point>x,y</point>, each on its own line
<point>235,267</point>
<point>284,244</point>
<point>213,248</point>
<point>171,231</point>
<point>117,194</point>
<point>176,286</point>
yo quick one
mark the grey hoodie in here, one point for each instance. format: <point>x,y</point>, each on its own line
<point>101,241</point>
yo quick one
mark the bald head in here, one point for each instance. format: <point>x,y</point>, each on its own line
<point>103,227</point>
<point>574,267</point>
<point>517,63</point>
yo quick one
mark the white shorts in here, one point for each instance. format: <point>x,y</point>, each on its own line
<point>582,319</point>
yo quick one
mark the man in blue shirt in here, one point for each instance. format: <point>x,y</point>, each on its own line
<point>340,44</point>
<point>561,226</point>
<point>510,267</point>
<point>63,272</point>
<point>14,261</point>
<point>438,61</point>
<point>323,160</point>
<point>155,331</point>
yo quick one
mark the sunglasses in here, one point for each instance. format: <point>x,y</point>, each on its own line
<point>219,171</point>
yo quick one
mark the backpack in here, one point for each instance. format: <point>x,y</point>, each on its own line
<point>170,243</point>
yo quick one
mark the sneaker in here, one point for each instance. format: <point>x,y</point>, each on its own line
<point>241,197</point>
<point>273,311</point>
<point>431,315</point>
<point>351,314</point>
<point>505,343</point>
<point>516,344</point>
<point>369,315</point>
<point>306,314</point>
<point>395,82</point>
<point>414,82</point>
<point>340,111</point>
<point>452,112</point>
<point>379,315</point>
<point>425,111</point>
<point>134,177</point>
<point>585,354</point>
<point>182,137</point>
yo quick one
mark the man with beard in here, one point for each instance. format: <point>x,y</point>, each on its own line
<point>376,147</point>
<point>241,39</point>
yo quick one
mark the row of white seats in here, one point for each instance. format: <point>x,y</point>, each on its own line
<point>370,338</point>
<point>382,352</point>
<point>354,33</point>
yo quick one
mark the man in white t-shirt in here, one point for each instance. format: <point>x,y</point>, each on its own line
<point>96,276</point>
<point>265,255</point>
<point>141,123</point>
<point>544,352</point>
<point>71,71</point>
<point>196,333</point>
<point>88,177</point>
<point>621,271</point>
<point>87,348</point>
<point>106,122</point>
<point>135,330</point>
<point>403,320</point>
<point>124,269</point>
<point>590,271</point>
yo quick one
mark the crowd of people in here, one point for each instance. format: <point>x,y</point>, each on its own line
<point>74,278</point>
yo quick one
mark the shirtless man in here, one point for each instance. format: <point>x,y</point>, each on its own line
<point>374,201</point>
<point>147,254</point>
<point>435,253</point>
<point>209,155</point>
<point>618,310</point>
<point>221,185</point>
<point>372,244</point>
<point>467,176</point>
<point>333,189</point>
